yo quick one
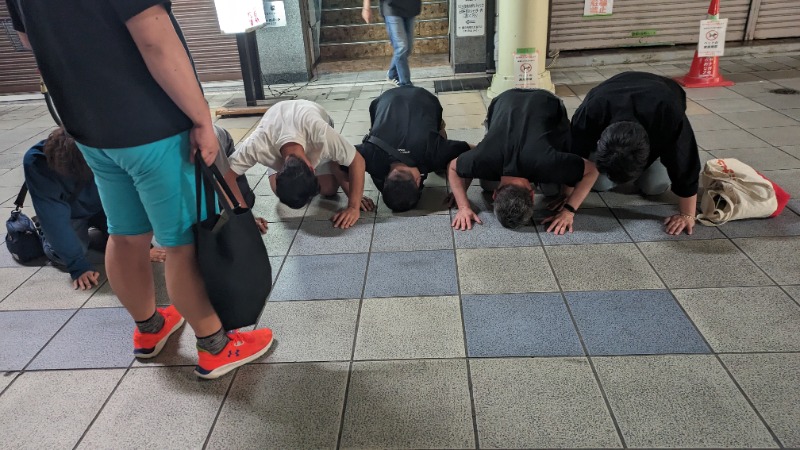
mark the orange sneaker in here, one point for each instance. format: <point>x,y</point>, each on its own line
<point>242,348</point>
<point>149,345</point>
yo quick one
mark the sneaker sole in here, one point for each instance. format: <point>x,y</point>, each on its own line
<point>161,343</point>
<point>222,370</point>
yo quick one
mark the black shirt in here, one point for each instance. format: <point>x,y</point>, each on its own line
<point>408,118</point>
<point>659,105</point>
<point>98,80</point>
<point>528,137</point>
<point>401,8</point>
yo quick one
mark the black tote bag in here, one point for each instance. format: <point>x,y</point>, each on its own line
<point>231,254</point>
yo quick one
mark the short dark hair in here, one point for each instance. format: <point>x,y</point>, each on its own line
<point>623,151</point>
<point>296,184</point>
<point>400,192</point>
<point>64,157</point>
<point>513,206</point>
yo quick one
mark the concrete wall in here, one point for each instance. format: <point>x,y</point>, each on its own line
<point>282,50</point>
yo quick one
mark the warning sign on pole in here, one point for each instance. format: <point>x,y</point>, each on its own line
<point>470,17</point>
<point>598,7</point>
<point>712,38</point>
<point>527,69</point>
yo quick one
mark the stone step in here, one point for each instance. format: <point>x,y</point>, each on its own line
<point>352,16</point>
<point>377,32</point>
<point>358,50</point>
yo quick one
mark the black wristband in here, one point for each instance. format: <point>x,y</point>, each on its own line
<point>569,208</point>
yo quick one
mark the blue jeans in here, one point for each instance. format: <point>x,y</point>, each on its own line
<point>401,33</point>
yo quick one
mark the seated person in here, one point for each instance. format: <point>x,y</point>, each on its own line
<point>527,141</point>
<point>634,127</point>
<point>408,120</point>
<point>67,205</point>
<point>296,139</point>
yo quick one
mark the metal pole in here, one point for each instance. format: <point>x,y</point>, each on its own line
<point>251,67</point>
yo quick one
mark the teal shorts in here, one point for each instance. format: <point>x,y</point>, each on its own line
<point>148,188</point>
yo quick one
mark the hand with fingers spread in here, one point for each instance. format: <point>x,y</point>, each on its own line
<point>367,204</point>
<point>346,218</point>
<point>464,218</point>
<point>677,223</point>
<point>560,223</point>
<point>88,280</point>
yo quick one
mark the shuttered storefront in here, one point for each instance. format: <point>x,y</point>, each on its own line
<point>778,19</point>
<point>17,69</point>
<point>636,23</point>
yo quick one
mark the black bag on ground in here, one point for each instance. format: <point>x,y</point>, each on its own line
<point>231,254</point>
<point>22,240</point>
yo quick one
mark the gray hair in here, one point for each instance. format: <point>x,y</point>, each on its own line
<point>513,206</point>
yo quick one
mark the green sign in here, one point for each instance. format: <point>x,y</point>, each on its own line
<point>643,33</point>
<point>526,51</point>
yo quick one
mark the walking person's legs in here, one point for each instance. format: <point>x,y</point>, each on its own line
<point>398,27</point>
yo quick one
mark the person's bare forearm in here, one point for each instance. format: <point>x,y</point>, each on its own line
<point>168,62</point>
<point>356,172</point>
<point>23,39</point>
<point>230,179</point>
<point>340,177</point>
<point>366,4</point>
<point>582,189</point>
<point>688,205</point>
<point>458,185</point>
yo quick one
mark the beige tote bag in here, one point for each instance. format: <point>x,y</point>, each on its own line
<point>733,190</point>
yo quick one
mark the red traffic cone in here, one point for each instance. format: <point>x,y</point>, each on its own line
<point>705,71</point>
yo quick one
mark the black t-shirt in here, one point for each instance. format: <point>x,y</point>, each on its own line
<point>408,118</point>
<point>528,137</point>
<point>98,80</point>
<point>401,8</point>
<point>659,105</point>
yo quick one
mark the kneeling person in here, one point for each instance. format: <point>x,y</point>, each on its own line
<point>296,139</point>
<point>407,140</point>
<point>527,142</point>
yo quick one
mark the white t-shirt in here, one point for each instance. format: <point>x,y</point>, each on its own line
<point>299,121</point>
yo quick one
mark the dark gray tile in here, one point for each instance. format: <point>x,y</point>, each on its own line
<point>504,271</point>
<point>727,139</point>
<point>519,325</point>
<point>762,319</point>
<point>280,236</point>
<point>679,401</point>
<point>282,406</point>
<point>431,202</point>
<point>711,122</point>
<point>410,327</point>
<point>778,136</point>
<point>543,403</point>
<point>320,237</point>
<point>324,208</point>
<point>94,338</point>
<point>726,105</point>
<point>646,223</point>
<point>777,256</point>
<point>759,119</point>
<point>616,199</point>
<point>24,333</point>
<point>320,277</point>
<point>406,274</point>
<point>12,277</point>
<point>408,404</point>
<point>761,158</point>
<point>591,226</point>
<point>394,234</point>
<point>712,93</point>
<point>602,267</point>
<point>491,234</point>
<point>53,409</point>
<point>172,394</point>
<point>633,323</point>
<point>770,381</point>
<point>788,179</point>
<point>786,224</point>
<point>49,288</point>
<point>311,331</point>
<point>709,263</point>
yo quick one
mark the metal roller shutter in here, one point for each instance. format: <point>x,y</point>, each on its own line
<point>637,23</point>
<point>17,69</point>
<point>215,55</point>
<point>778,19</point>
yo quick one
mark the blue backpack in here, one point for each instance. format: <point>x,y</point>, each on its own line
<point>23,240</point>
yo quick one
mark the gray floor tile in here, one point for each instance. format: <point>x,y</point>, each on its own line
<point>762,319</point>
<point>712,93</point>
<point>788,179</point>
<point>726,105</point>
<point>12,277</point>
<point>646,223</point>
<point>794,113</point>
<point>504,271</point>
<point>776,255</point>
<point>679,401</point>
<point>282,406</point>
<point>169,393</point>
<point>105,297</point>
<point>602,267</point>
<point>793,150</point>
<point>753,88</point>
<point>770,381</point>
<point>766,158</point>
<point>778,136</point>
<point>411,327</point>
<point>786,224</point>
<point>280,236</point>
<point>53,409</point>
<point>519,325</point>
<point>94,338</point>
<point>24,333</point>
<point>624,200</point>
<point>408,404</point>
<point>324,208</point>
<point>320,237</point>
<point>469,135</point>
<point>6,378</point>
<point>408,274</point>
<point>696,264</point>
<point>779,102</point>
<point>311,331</point>
<point>794,292</point>
<point>759,119</point>
<point>431,202</point>
<point>49,288</point>
<point>711,122</point>
<point>394,234</point>
<point>490,233</point>
<point>320,277</point>
<point>591,226</point>
<point>539,403</point>
<point>270,208</point>
<point>633,323</point>
<point>727,139</point>
<point>8,261</point>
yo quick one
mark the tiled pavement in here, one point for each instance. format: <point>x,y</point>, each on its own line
<point>400,332</point>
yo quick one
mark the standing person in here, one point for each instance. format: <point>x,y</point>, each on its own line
<point>634,127</point>
<point>123,82</point>
<point>399,17</point>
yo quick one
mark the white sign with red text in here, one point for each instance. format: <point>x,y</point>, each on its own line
<point>240,16</point>
<point>712,38</point>
<point>598,7</point>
